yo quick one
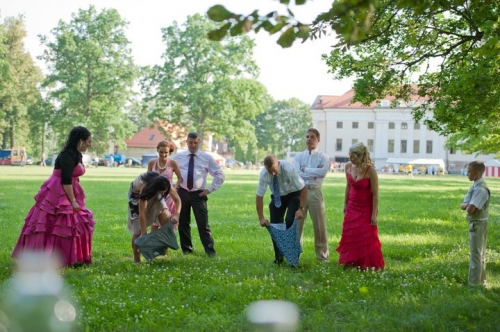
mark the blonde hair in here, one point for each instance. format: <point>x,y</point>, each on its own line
<point>361,151</point>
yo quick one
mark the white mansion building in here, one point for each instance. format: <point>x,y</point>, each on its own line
<point>391,134</point>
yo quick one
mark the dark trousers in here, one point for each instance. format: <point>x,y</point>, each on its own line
<point>285,213</point>
<point>199,204</point>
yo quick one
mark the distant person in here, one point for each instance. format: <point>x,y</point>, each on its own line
<point>476,203</point>
<point>111,161</point>
<point>59,222</point>
<point>359,245</point>
<point>167,167</point>
<point>410,171</point>
<point>96,161</point>
<point>195,165</point>
<point>289,196</point>
<point>42,162</point>
<point>312,166</point>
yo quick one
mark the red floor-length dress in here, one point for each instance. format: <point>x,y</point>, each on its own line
<point>360,245</point>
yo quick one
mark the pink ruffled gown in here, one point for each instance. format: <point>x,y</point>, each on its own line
<point>360,245</point>
<point>53,227</point>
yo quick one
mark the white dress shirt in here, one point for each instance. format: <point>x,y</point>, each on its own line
<point>315,165</point>
<point>204,164</point>
<point>288,179</point>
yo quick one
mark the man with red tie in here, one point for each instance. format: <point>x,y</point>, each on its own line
<point>195,165</point>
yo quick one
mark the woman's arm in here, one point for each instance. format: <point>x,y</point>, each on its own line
<point>178,204</point>
<point>177,172</point>
<point>347,170</point>
<point>373,176</point>
<point>68,189</point>
<point>143,204</point>
<point>150,164</point>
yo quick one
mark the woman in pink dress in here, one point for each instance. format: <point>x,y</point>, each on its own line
<point>359,245</point>
<point>59,223</point>
<point>167,167</point>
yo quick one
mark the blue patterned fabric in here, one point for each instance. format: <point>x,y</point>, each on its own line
<point>287,241</point>
<point>276,192</point>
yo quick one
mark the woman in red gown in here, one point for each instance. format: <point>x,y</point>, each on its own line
<point>359,245</point>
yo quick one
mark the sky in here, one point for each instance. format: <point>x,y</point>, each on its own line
<point>296,72</point>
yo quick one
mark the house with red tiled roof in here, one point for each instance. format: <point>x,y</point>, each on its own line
<point>390,133</point>
<point>145,140</point>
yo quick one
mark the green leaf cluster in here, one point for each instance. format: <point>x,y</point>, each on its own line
<point>204,85</point>
<point>91,75</point>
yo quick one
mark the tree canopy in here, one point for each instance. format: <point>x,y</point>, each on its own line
<point>204,85</point>
<point>19,81</point>
<point>282,127</point>
<point>91,75</point>
<point>448,49</point>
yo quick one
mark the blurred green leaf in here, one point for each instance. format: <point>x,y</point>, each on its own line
<point>219,13</point>
<point>287,38</point>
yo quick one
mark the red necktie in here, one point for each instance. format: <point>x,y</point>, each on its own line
<point>190,172</point>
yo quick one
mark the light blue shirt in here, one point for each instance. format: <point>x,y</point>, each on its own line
<point>315,166</point>
<point>288,179</point>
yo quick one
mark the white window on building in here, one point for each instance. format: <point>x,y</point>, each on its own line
<point>369,144</point>
<point>354,141</point>
<point>384,103</point>
<point>428,147</point>
<point>339,124</point>
<point>416,126</point>
<point>392,125</point>
<point>371,125</point>
<point>339,144</point>
<point>355,125</point>
<point>404,125</point>
<point>416,146</point>
<point>390,148</point>
<point>403,146</point>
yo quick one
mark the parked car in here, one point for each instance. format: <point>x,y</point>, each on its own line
<point>235,164</point>
<point>29,160</point>
<point>48,162</point>
<point>133,162</point>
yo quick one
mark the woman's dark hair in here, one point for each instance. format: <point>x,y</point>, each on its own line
<point>153,182</point>
<point>75,135</point>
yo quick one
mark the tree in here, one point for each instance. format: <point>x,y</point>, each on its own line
<point>283,127</point>
<point>91,75</point>
<point>204,85</point>
<point>20,78</point>
<point>449,48</point>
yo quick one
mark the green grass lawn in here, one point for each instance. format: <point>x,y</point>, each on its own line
<point>422,229</point>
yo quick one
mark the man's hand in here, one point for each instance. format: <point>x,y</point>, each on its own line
<point>264,222</point>
<point>204,192</point>
<point>299,214</point>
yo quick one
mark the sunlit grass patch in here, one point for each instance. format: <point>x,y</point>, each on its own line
<point>423,288</point>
